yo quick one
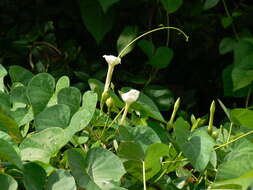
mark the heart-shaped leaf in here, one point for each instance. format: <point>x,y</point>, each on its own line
<point>43,145</point>
<point>39,91</point>
<point>162,57</point>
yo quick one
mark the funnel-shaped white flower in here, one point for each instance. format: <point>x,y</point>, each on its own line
<point>130,96</point>
<point>112,60</point>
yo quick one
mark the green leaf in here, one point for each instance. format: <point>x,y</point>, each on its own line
<point>100,170</point>
<point>3,73</point>
<point>171,5</point>
<point>226,21</point>
<point>34,176</point>
<point>106,4</point>
<point>237,170</point>
<point>8,125</point>
<point>241,78</point>
<point>153,156</point>
<point>78,122</point>
<point>145,105</point>
<point>130,151</point>
<point>20,74</point>
<point>226,45</point>
<point>77,165</point>
<point>89,101</point>
<point>143,135</point>
<point>162,57</point>
<point>163,97</point>
<point>96,21</point>
<point>242,117</point>
<point>39,91</point>
<point>104,167</point>
<point>147,47</point>
<point>7,182</point>
<point>242,49</point>
<point>61,180</point>
<point>5,102</point>
<point>18,95</point>
<point>71,97</point>
<point>196,146</point>
<point>62,82</point>
<point>8,153</point>
<point>43,145</point>
<point>126,36</point>
<point>210,4</point>
<point>54,116</point>
<point>228,84</point>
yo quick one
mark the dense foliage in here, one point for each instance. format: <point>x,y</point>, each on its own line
<point>63,127</point>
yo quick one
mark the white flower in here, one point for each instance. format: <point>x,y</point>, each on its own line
<point>112,60</point>
<point>130,96</point>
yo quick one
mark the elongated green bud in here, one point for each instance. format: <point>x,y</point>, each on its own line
<point>173,115</point>
<point>210,125</point>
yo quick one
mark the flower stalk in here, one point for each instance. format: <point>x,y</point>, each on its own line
<point>173,115</point>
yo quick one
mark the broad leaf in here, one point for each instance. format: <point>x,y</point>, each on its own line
<point>143,135</point>
<point>7,182</point>
<point>243,117</point>
<point>131,151</point>
<point>237,170</point>
<point>61,180</point>
<point>210,4</point>
<point>128,34</point>
<point>106,4</point>
<point>55,116</point>
<point>104,167</point>
<point>8,125</point>
<point>34,176</point>
<point>171,5</point>
<point>196,146</point>
<point>20,74</point>
<point>91,13</point>
<point>8,153</point>
<point>77,166</point>
<point>153,157</point>
<point>39,91</point>
<point>163,97</point>
<point>100,170</point>
<point>226,45</point>
<point>71,97</point>
<point>18,95</point>
<point>43,145</point>
<point>162,57</point>
<point>147,47</point>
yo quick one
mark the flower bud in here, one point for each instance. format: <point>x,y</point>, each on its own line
<point>130,96</point>
<point>109,102</point>
<point>112,60</point>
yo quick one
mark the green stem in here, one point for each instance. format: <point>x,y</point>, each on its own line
<point>124,114</point>
<point>233,140</point>
<point>248,98</point>
<point>117,116</point>
<point>151,31</point>
<point>144,175</point>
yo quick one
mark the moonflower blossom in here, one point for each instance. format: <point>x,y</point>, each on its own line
<point>130,96</point>
<point>112,60</point>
